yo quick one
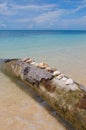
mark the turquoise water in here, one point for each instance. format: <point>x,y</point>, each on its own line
<point>63,49</point>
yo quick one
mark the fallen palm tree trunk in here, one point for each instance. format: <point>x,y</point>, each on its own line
<point>66,96</point>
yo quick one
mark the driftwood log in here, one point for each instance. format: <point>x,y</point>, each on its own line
<point>66,96</point>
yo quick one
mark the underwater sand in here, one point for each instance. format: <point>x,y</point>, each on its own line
<point>22,109</point>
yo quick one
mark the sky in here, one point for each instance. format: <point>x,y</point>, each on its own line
<point>42,14</point>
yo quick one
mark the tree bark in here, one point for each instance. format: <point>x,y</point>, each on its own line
<point>66,96</point>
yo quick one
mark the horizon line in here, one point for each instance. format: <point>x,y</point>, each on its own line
<point>43,30</point>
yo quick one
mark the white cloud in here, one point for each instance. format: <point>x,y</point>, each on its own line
<point>83,1</point>
<point>49,16</point>
<point>78,8</point>
<point>33,7</point>
<point>6,9</point>
<point>3,5</point>
<point>24,20</point>
<point>75,23</point>
<point>2,25</point>
<point>30,26</point>
<point>76,2</point>
<point>81,20</point>
<point>12,9</point>
<point>80,4</point>
<point>48,19</point>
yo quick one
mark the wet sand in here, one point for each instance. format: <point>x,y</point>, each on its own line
<point>22,109</point>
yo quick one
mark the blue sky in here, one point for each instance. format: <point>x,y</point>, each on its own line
<point>43,14</point>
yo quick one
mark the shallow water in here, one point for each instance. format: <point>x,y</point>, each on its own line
<point>22,109</point>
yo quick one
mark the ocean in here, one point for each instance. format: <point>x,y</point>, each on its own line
<point>63,49</point>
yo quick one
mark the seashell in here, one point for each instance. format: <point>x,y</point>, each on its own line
<point>60,76</point>
<point>69,81</point>
<point>55,73</point>
<point>64,79</point>
<point>51,70</point>
<point>42,65</point>
<point>36,64</point>
<point>48,69</point>
<point>33,63</point>
<point>28,61</point>
<point>25,59</point>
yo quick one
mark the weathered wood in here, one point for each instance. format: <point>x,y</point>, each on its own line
<point>67,97</point>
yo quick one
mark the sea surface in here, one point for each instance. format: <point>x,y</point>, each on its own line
<point>20,107</point>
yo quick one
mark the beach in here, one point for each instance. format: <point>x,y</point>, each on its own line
<point>20,107</point>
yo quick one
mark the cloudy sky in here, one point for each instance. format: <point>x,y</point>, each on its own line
<point>42,14</point>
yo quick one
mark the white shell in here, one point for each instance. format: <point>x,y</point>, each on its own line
<point>33,63</point>
<point>23,60</point>
<point>48,68</point>
<point>64,79</point>
<point>42,65</point>
<point>55,73</point>
<point>28,60</point>
<point>69,81</point>
<point>60,76</point>
<point>36,64</point>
